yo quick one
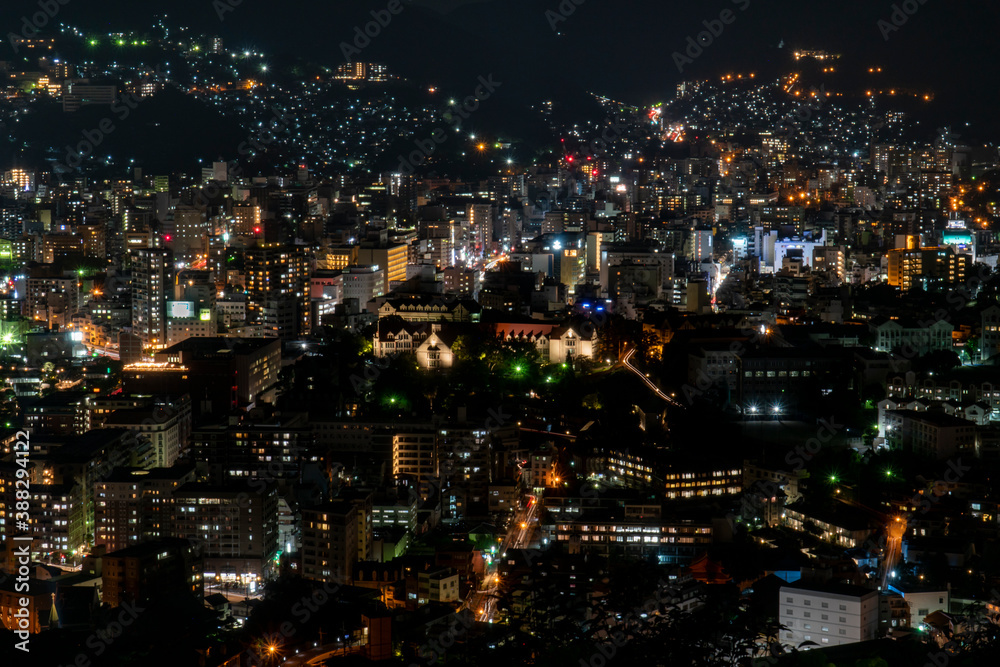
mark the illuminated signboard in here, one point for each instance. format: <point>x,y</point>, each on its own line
<point>179,310</point>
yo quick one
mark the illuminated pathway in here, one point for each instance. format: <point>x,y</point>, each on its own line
<point>649,383</point>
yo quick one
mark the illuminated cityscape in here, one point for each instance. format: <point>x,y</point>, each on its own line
<point>456,332</point>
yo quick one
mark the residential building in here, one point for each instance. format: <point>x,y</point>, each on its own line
<point>931,434</point>
<point>152,285</point>
<point>330,541</point>
<point>827,614</point>
<point>437,585</point>
<point>236,527</point>
<point>927,267</point>
<point>144,571</point>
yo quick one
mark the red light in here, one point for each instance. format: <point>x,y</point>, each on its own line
<point>569,158</point>
<point>256,230</point>
<point>168,237</point>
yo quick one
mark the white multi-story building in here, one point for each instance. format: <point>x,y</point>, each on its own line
<point>827,615</point>
<point>363,283</point>
<point>164,434</point>
<point>929,433</point>
<point>912,337</point>
<point>439,585</point>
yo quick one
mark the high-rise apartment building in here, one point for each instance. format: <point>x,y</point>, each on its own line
<point>330,541</point>
<point>277,274</point>
<point>236,526</point>
<point>926,267</point>
<point>152,285</point>
<point>247,220</point>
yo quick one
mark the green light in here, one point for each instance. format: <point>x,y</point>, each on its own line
<point>121,42</point>
<point>517,369</point>
<point>94,42</point>
<point>833,478</point>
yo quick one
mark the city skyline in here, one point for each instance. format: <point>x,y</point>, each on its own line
<point>463,332</point>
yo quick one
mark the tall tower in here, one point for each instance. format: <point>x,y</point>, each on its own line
<point>276,278</point>
<point>152,284</point>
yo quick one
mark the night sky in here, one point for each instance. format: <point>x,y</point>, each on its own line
<point>621,49</point>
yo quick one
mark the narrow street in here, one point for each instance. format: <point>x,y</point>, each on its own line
<point>483,600</point>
